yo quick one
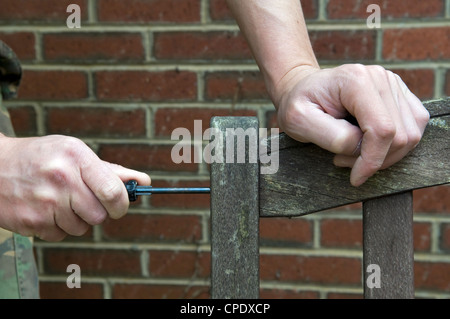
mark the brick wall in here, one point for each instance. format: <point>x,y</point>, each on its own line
<point>138,69</point>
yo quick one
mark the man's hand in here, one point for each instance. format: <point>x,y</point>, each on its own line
<point>313,103</point>
<point>55,186</point>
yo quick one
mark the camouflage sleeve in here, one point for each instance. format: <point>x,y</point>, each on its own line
<point>18,273</point>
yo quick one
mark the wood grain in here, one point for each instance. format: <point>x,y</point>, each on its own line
<point>234,218</point>
<point>308,182</point>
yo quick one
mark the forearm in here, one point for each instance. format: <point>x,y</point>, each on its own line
<point>277,34</point>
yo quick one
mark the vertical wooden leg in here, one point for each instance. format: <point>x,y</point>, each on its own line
<point>235,212</point>
<point>388,247</point>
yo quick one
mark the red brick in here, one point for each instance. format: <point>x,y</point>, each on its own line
<point>330,270</point>
<point>144,157</point>
<point>103,262</point>
<point>138,227</point>
<point>432,199</point>
<point>283,231</point>
<point>351,9</point>
<point>92,121</point>
<point>93,47</point>
<point>153,291</point>
<point>235,86</point>
<point>343,45</point>
<point>419,81</point>
<point>181,201</point>
<point>287,294</point>
<point>168,119</point>
<point>140,11</point>
<point>218,9</point>
<point>53,85</point>
<point>340,295</point>
<point>201,46</point>
<point>21,11</point>
<point>422,236</point>
<point>24,120</point>
<point>22,43</point>
<point>59,290</point>
<point>146,86</point>
<point>179,264</point>
<point>416,44</point>
<point>341,233</point>
<point>348,233</point>
<point>445,236</point>
<point>432,275</point>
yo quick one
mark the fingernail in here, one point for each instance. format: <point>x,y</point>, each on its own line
<point>359,181</point>
<point>357,150</point>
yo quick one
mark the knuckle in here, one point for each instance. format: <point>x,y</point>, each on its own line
<point>397,77</point>
<point>401,140</point>
<point>72,148</point>
<point>72,142</point>
<point>33,223</point>
<point>424,116</point>
<point>357,68</point>
<point>97,218</point>
<point>294,120</point>
<point>357,73</point>
<point>292,115</point>
<point>373,165</point>
<point>414,138</point>
<point>80,230</point>
<point>378,69</point>
<point>57,173</point>
<point>339,145</point>
<point>52,235</point>
<point>386,131</point>
<point>111,192</point>
<point>28,223</point>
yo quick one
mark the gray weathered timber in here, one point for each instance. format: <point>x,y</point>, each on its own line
<point>308,182</point>
<point>235,215</point>
<point>388,246</point>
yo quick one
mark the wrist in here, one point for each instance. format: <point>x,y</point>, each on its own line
<point>3,145</point>
<point>279,88</point>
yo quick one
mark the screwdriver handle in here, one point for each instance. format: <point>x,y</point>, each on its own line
<point>131,187</point>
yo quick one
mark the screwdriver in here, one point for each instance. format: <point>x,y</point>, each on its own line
<point>134,190</point>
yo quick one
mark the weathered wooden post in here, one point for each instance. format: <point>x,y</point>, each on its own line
<point>306,182</point>
<point>388,255</point>
<point>235,209</point>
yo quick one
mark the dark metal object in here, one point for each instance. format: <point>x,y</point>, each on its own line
<point>134,190</point>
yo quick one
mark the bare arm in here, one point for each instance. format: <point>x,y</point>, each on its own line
<point>277,34</point>
<point>312,103</point>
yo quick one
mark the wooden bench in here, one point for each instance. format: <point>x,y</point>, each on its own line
<point>308,182</point>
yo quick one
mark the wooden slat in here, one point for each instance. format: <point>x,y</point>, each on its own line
<point>308,182</point>
<point>388,247</point>
<point>235,218</point>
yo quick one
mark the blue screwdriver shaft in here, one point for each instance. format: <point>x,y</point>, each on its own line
<point>134,190</point>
